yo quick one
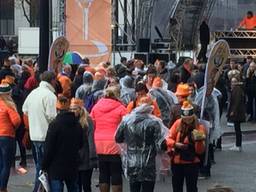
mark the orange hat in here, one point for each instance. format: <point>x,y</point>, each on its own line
<point>8,80</point>
<point>187,109</point>
<point>62,103</point>
<point>182,90</point>
<point>76,103</point>
<point>145,100</point>
<point>157,82</point>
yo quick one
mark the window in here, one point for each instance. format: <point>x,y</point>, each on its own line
<point>6,17</point>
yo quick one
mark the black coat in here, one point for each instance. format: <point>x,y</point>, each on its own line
<point>204,33</point>
<point>237,105</point>
<point>88,156</point>
<point>251,85</point>
<point>63,140</point>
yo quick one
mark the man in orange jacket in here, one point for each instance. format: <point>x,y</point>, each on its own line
<point>248,22</point>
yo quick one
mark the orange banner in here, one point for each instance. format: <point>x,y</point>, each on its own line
<point>88,28</point>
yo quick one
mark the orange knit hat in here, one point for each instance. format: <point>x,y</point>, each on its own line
<point>76,103</point>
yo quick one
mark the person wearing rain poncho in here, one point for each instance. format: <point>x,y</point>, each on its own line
<point>127,93</point>
<point>211,114</point>
<point>142,133</point>
<point>163,99</point>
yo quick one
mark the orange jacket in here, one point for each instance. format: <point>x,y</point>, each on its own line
<point>156,110</point>
<point>65,82</point>
<point>248,23</point>
<point>9,120</point>
<point>174,136</point>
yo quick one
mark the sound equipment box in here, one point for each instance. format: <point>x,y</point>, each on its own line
<point>143,45</point>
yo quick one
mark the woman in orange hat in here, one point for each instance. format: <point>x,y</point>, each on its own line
<point>186,141</point>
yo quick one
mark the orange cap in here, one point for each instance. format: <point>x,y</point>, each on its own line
<point>182,90</point>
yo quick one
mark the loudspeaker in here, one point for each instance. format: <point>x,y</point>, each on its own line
<point>160,56</point>
<point>143,45</point>
<point>142,56</point>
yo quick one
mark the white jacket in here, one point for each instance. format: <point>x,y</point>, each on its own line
<point>40,107</point>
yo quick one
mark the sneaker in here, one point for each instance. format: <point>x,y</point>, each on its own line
<point>235,148</point>
<point>203,176</point>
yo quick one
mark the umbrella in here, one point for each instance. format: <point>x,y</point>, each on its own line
<point>72,58</point>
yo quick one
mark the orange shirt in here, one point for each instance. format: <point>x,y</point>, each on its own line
<point>156,110</point>
<point>9,120</point>
<point>248,23</point>
<point>174,136</point>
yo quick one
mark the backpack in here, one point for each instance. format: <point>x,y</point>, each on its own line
<point>89,101</point>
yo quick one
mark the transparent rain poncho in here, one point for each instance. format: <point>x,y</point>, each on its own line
<point>141,135</point>
<point>127,92</point>
<point>211,112</point>
<point>165,103</point>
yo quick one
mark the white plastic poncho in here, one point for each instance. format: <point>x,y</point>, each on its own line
<point>141,135</point>
<point>211,112</point>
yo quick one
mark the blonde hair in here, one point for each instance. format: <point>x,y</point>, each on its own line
<point>112,92</point>
<point>7,99</point>
<point>83,117</point>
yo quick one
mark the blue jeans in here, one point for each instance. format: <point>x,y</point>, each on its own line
<point>58,185</point>
<point>7,153</point>
<point>38,157</point>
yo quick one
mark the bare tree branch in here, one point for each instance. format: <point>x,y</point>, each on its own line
<point>24,10</point>
<point>28,2</point>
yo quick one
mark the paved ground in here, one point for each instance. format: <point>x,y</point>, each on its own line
<point>233,169</point>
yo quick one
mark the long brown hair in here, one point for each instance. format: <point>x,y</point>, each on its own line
<point>185,128</point>
<point>7,99</point>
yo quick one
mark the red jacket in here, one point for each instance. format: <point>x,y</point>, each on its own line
<point>107,114</point>
<point>9,120</point>
<point>174,136</point>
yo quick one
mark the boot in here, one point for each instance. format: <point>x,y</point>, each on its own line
<point>104,187</point>
<point>117,188</point>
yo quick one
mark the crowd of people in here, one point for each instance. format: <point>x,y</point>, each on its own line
<point>119,119</point>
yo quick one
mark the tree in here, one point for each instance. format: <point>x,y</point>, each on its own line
<point>30,10</point>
